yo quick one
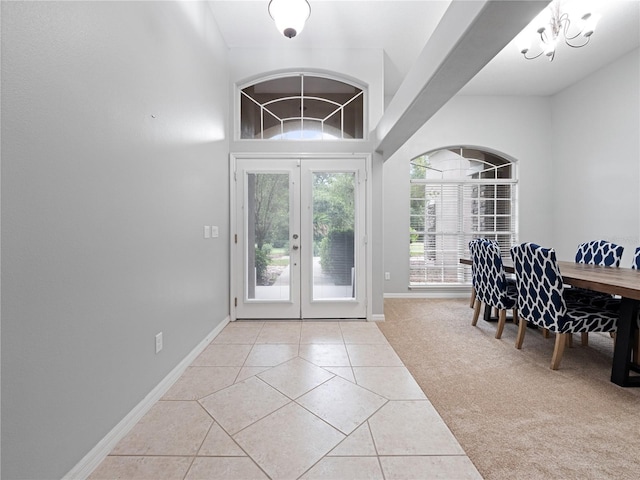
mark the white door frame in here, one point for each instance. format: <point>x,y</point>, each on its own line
<point>234,260</point>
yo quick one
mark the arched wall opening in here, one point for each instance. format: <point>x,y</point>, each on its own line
<point>456,194</point>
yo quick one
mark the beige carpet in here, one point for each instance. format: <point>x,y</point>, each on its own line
<point>515,418</point>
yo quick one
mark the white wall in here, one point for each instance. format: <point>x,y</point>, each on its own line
<point>114,156</point>
<point>596,159</point>
<point>518,128</point>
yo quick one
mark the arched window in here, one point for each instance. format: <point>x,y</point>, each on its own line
<point>302,107</point>
<point>458,194</point>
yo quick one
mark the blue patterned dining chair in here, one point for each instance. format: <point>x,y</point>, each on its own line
<point>472,251</point>
<point>541,300</point>
<point>595,252</point>
<point>608,301</point>
<point>599,252</point>
<point>492,288</point>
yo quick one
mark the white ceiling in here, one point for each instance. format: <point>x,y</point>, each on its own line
<point>401,29</point>
<point>617,33</point>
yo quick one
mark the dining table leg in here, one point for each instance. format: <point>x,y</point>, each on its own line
<point>627,325</point>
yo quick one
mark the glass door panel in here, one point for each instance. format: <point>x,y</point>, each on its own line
<point>333,221</point>
<point>333,235</point>
<point>267,219</point>
<point>268,261</point>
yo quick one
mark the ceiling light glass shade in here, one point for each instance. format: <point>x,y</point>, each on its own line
<point>289,15</point>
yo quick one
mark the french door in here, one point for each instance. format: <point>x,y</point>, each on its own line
<point>299,248</point>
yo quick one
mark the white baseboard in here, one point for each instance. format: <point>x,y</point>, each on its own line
<point>440,293</point>
<point>377,317</point>
<point>98,453</point>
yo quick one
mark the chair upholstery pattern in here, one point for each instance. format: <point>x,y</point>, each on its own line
<point>540,295</point>
<point>474,246</point>
<point>473,252</point>
<point>599,252</point>
<point>492,287</point>
<point>596,252</point>
<point>636,260</point>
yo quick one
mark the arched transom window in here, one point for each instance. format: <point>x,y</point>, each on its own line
<point>301,107</point>
<point>458,194</point>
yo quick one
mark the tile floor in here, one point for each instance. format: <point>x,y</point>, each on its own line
<point>289,400</point>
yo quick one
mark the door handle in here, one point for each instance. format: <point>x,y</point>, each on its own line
<point>295,247</point>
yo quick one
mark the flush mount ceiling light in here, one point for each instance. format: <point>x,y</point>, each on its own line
<point>289,15</point>
<point>558,25</point>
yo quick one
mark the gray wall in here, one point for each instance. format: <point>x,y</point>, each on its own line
<point>596,159</point>
<point>114,156</point>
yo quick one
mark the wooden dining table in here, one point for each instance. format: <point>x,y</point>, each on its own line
<point>621,281</point>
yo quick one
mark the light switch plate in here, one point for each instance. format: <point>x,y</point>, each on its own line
<point>214,231</point>
<point>207,231</point>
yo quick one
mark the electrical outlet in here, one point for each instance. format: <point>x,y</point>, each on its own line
<point>387,275</point>
<point>158,342</point>
<point>207,231</point>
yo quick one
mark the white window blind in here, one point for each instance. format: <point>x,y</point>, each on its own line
<point>445,214</point>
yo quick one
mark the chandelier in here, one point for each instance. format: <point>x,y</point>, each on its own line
<point>289,15</point>
<point>558,27</point>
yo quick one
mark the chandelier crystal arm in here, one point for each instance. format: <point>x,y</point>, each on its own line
<point>579,46</point>
<point>567,25</point>
<point>558,26</point>
<point>534,57</point>
<point>581,33</point>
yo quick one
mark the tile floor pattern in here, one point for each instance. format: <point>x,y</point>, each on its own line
<point>292,400</point>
